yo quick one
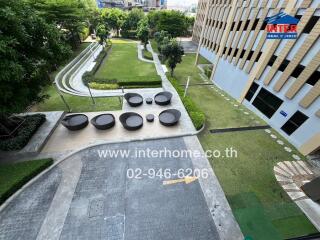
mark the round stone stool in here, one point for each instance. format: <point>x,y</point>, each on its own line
<point>150,117</point>
<point>149,100</point>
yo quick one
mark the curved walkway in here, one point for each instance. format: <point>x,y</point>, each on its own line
<point>69,79</point>
<point>140,54</point>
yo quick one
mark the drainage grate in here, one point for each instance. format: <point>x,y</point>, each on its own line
<point>240,129</point>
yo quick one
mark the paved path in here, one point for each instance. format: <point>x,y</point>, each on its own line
<point>91,197</point>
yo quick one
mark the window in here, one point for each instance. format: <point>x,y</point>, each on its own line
<point>294,123</point>
<point>267,103</point>
<point>314,78</point>
<point>254,87</point>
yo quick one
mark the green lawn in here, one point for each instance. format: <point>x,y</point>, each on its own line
<point>77,104</point>
<point>261,207</point>
<point>122,64</point>
<point>187,68</point>
<point>14,176</point>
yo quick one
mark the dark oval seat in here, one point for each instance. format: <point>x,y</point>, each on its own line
<point>163,98</point>
<point>103,121</point>
<point>131,121</point>
<point>75,122</point>
<point>133,99</point>
<point>169,117</point>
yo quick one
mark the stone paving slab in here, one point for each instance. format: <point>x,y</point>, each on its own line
<point>107,204</point>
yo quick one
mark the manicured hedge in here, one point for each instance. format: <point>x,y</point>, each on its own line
<point>147,54</point>
<point>197,116</point>
<point>88,76</point>
<point>14,176</point>
<point>208,71</point>
<point>24,133</point>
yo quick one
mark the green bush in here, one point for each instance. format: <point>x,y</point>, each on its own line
<point>88,76</point>
<point>24,133</point>
<point>14,176</point>
<point>103,86</point>
<point>208,71</point>
<point>197,116</point>
<point>147,54</point>
<point>131,34</point>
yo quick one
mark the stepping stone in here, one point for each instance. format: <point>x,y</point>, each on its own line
<point>283,179</point>
<point>299,168</point>
<point>305,167</point>
<point>236,105</point>
<point>296,157</point>
<point>257,122</point>
<point>246,113</point>
<point>222,95</point>
<point>280,171</point>
<point>228,99</point>
<point>285,168</point>
<point>290,186</point>
<point>212,87</point>
<point>288,149</point>
<point>267,131</point>
<point>273,136</point>
<point>296,195</point>
<point>291,167</point>
<point>280,142</point>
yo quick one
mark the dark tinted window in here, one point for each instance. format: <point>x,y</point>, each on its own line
<point>267,103</point>
<point>252,91</point>
<point>294,123</point>
<point>308,28</point>
<point>314,78</point>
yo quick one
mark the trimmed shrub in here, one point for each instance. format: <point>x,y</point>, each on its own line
<point>197,116</point>
<point>147,54</point>
<point>208,71</point>
<point>24,133</point>
<point>14,176</point>
<point>103,86</point>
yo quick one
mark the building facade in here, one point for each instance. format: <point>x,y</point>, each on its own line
<point>278,79</point>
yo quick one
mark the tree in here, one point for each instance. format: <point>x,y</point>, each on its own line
<point>174,22</point>
<point>114,18</point>
<point>173,53</point>
<point>72,16</point>
<point>102,33</point>
<point>130,25</point>
<point>29,49</point>
<point>143,31</point>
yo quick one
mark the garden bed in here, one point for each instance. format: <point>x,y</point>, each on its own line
<point>14,176</point>
<point>24,133</point>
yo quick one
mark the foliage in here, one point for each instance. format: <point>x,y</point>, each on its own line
<point>72,16</point>
<point>113,18</point>
<point>131,22</point>
<point>14,176</point>
<point>174,22</point>
<point>29,49</point>
<point>197,116</point>
<point>208,70</point>
<point>24,133</point>
<point>172,52</point>
<point>103,86</point>
<point>147,54</point>
<point>102,33</point>
<point>143,31</point>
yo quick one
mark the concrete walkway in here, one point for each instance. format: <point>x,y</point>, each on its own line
<point>93,197</point>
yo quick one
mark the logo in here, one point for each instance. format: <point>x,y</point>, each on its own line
<point>282,26</point>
